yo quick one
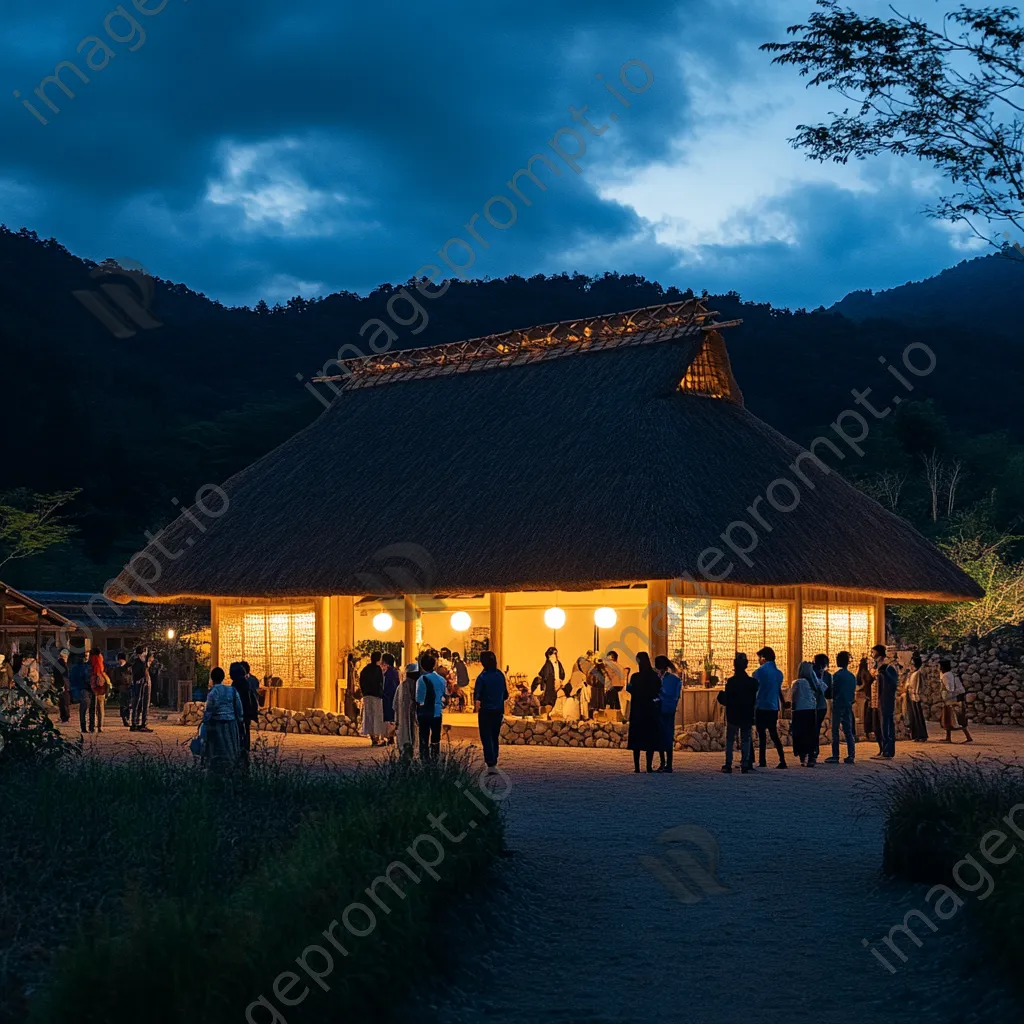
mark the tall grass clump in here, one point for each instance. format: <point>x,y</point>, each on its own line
<point>938,813</point>
<point>150,888</point>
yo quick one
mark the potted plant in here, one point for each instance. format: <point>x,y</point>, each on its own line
<point>711,670</point>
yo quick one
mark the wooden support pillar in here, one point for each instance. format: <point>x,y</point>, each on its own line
<point>497,642</point>
<point>657,617</point>
<point>343,639</point>
<point>879,620</point>
<point>796,636</point>
<point>325,695</point>
<point>411,616</point>
<point>214,634</point>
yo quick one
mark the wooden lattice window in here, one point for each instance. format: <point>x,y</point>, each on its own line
<point>699,628</point>
<point>276,641</point>
<point>831,628</point>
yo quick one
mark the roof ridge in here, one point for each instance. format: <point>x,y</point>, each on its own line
<point>641,326</point>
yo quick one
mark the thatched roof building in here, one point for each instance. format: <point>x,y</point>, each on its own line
<point>571,457</point>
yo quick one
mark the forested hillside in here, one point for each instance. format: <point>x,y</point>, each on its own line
<point>137,421</point>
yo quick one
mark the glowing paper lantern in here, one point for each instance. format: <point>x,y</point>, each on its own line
<point>461,622</point>
<point>554,618</point>
<point>382,622</point>
<point>605,618</point>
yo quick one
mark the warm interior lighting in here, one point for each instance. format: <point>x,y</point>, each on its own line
<point>170,634</point>
<point>461,622</point>
<point>554,618</point>
<point>605,618</point>
<point>382,622</point>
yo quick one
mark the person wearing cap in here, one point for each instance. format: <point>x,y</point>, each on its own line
<point>121,680</point>
<point>887,681</point>
<point>62,684</point>
<point>405,712</point>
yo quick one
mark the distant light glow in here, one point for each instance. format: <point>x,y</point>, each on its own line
<point>554,618</point>
<point>382,622</point>
<point>605,618</point>
<point>461,622</point>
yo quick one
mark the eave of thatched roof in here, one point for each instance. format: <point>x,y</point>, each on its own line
<point>553,473</point>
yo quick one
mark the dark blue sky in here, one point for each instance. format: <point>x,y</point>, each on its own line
<point>265,149</point>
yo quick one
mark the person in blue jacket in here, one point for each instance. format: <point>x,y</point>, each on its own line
<point>671,688</point>
<point>768,705</point>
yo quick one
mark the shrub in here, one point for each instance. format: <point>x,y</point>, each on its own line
<point>192,893</point>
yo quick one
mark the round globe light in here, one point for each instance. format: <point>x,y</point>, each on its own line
<point>554,618</point>
<point>605,618</point>
<point>461,622</point>
<point>382,622</point>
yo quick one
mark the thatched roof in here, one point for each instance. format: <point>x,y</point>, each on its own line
<point>569,457</point>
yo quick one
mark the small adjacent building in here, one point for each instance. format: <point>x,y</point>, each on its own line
<point>589,484</point>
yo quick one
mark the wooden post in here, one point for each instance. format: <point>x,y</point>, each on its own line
<point>497,641</point>
<point>796,636</point>
<point>343,632</point>
<point>411,616</point>
<point>879,620</point>
<point>325,695</point>
<point>657,617</point>
<point>214,633</point>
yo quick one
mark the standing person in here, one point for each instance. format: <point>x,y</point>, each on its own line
<point>668,695</point>
<point>140,691</point>
<point>804,696</point>
<point>254,688</point>
<point>371,683</point>
<point>865,685</point>
<point>740,700</point>
<point>239,679</point>
<point>768,705</point>
<point>224,721</point>
<point>62,684</point>
<point>887,681</point>
<point>156,680</point>
<point>598,682</point>
<point>121,680</point>
<point>430,697</point>
<point>552,675</point>
<point>915,709</point>
<point>405,712</point>
<point>954,702</point>
<point>461,670</point>
<point>99,683</point>
<point>30,668</point>
<point>489,696</point>
<point>844,690</point>
<point>644,719</point>
<point>823,684</point>
<point>390,688</point>
<point>615,682</point>
<point>445,669</point>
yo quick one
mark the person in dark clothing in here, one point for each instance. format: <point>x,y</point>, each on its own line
<point>254,685</point>
<point>121,680</point>
<point>140,691</point>
<point>489,696</point>
<point>371,684</point>
<point>430,700</point>
<point>390,688</point>
<point>823,693</point>
<point>461,670</point>
<point>551,674</point>
<point>62,684</point>
<point>887,681</point>
<point>739,698</point>
<point>865,681</point>
<point>250,705</point>
<point>644,687</point>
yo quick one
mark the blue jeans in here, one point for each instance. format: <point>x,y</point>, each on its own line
<point>842,715</point>
<point>140,704</point>
<point>746,744</point>
<point>490,731</point>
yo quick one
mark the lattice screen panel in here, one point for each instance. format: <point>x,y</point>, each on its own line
<point>831,628</point>
<point>697,631</point>
<point>275,641</point>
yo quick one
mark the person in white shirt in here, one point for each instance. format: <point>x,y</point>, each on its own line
<point>954,702</point>
<point>915,709</point>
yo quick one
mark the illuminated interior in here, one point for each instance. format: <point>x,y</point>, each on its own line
<point>275,640</point>
<point>831,628</point>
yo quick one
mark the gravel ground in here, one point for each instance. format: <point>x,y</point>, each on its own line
<point>695,896</point>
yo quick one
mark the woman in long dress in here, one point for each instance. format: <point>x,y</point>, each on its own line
<point>224,720</point>
<point>552,674</point>
<point>865,680</point>
<point>579,680</point>
<point>644,715</point>
<point>915,709</point>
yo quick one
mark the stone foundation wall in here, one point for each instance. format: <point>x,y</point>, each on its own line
<point>319,723</point>
<point>992,670</point>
